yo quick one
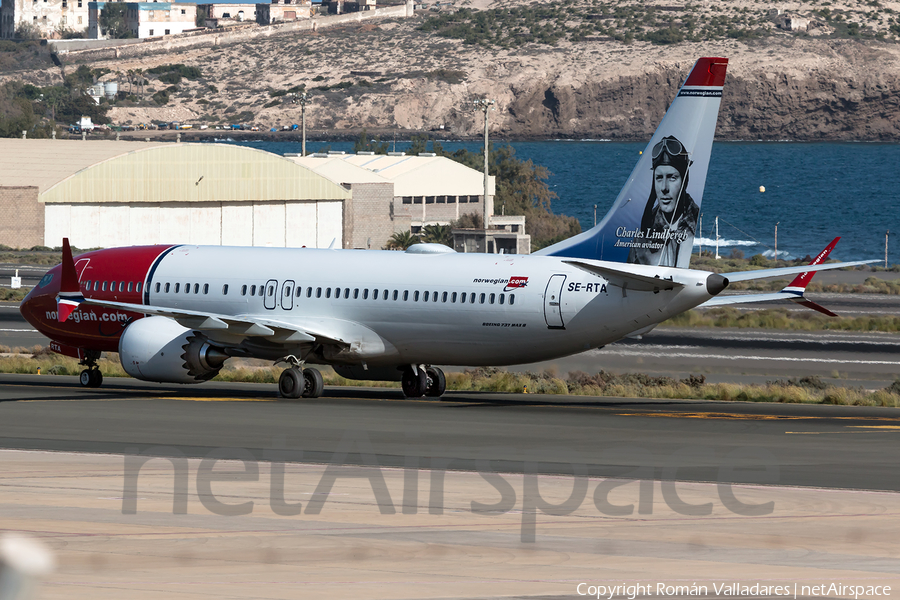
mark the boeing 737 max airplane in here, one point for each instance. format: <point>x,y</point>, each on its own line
<point>176,313</point>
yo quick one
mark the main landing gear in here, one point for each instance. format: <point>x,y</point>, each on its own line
<point>297,382</point>
<point>91,376</point>
<point>419,380</point>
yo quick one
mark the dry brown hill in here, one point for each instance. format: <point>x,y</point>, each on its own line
<point>392,76</point>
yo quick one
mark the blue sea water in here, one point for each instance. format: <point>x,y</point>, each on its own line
<point>814,191</point>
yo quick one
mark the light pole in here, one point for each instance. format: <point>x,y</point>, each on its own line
<point>485,105</point>
<point>886,233</point>
<point>776,239</point>
<point>304,100</point>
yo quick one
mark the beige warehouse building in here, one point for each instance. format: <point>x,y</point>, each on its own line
<point>110,193</point>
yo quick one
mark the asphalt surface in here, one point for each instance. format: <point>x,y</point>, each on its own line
<point>792,445</point>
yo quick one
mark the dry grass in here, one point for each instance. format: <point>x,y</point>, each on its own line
<point>808,390</point>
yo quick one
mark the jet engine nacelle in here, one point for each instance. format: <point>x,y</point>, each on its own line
<point>159,349</point>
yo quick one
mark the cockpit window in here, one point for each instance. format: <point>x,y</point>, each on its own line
<point>46,279</point>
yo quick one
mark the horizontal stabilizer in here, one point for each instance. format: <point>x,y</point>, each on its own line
<point>626,279</point>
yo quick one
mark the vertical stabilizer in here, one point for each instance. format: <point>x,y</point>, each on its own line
<point>654,219</point>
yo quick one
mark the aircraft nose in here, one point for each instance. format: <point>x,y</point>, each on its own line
<point>41,297</point>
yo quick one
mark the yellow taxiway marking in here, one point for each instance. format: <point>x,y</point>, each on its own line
<point>876,426</point>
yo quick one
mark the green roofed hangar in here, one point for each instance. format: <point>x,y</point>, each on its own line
<point>110,193</point>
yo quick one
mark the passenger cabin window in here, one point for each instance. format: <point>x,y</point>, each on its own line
<point>434,297</point>
<point>299,290</point>
<point>271,290</point>
<point>243,290</point>
<point>129,286</point>
<point>177,287</point>
<point>167,288</point>
<point>405,295</point>
<point>481,299</point>
<point>366,294</point>
<point>425,297</point>
<point>87,286</point>
<point>346,293</point>
<point>501,298</point>
<point>328,292</point>
<point>205,288</point>
<point>121,286</point>
<point>356,293</point>
<point>225,290</point>
<point>512,299</point>
<point>157,287</point>
<point>309,292</point>
<point>103,287</point>
<point>416,296</point>
<point>444,297</point>
<point>197,288</point>
<point>140,284</point>
<point>318,292</point>
<point>472,298</point>
<point>492,298</point>
<point>252,290</point>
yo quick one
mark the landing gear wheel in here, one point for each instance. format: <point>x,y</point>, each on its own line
<point>91,378</point>
<point>414,384</point>
<point>96,378</point>
<point>314,384</point>
<point>436,384</point>
<point>290,383</point>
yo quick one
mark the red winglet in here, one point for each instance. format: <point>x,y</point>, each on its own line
<point>708,72</point>
<point>69,290</point>
<point>803,279</point>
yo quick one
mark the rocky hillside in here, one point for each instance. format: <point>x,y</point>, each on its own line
<point>577,80</point>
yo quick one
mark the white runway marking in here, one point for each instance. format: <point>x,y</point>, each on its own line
<point>664,354</point>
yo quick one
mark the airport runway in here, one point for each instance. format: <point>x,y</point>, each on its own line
<point>793,445</point>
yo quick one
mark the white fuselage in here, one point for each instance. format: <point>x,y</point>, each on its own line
<point>400,308</point>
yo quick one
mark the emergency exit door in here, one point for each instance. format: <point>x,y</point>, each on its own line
<point>553,302</point>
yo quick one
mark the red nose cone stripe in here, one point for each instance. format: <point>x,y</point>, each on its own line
<point>64,308</point>
<point>708,72</point>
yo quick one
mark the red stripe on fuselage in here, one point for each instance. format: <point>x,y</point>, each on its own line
<point>93,327</point>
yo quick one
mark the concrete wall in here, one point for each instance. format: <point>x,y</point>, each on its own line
<point>22,218</point>
<point>372,219</point>
<point>90,50</point>
<point>276,224</point>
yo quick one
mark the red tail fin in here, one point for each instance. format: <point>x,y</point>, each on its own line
<point>69,290</point>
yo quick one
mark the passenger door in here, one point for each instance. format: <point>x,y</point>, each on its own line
<point>287,295</point>
<point>269,294</point>
<point>553,302</point>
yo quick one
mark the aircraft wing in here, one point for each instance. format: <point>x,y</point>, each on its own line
<point>793,291</point>
<point>766,273</point>
<point>245,326</point>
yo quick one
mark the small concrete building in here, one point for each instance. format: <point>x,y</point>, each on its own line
<point>104,193</point>
<point>148,19</point>
<point>220,15</point>
<point>49,17</point>
<point>393,193</point>
<point>281,11</point>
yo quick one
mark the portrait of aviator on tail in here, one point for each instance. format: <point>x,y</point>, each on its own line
<point>670,216</point>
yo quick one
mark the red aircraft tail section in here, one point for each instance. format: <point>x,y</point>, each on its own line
<point>70,295</point>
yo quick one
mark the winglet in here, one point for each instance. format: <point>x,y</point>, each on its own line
<point>798,285</point>
<point>69,296</point>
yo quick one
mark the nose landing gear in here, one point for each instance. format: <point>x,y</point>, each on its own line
<point>418,381</point>
<point>91,376</point>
